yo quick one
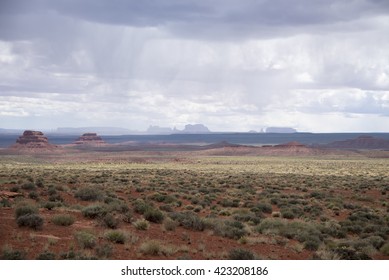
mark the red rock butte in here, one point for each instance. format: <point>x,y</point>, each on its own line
<point>90,139</point>
<point>32,140</point>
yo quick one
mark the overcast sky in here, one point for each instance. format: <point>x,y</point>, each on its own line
<point>233,65</point>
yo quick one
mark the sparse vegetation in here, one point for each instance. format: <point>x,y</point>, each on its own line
<point>33,221</point>
<point>301,207</point>
<point>240,254</point>
<point>63,220</point>
<point>141,224</point>
<point>116,236</point>
<point>85,240</point>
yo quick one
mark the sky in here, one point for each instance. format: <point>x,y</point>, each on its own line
<point>232,65</point>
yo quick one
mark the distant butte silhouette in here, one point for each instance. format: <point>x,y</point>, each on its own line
<point>89,139</point>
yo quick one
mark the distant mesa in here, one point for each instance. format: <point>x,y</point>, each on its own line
<point>189,129</point>
<point>32,140</point>
<point>280,130</point>
<point>89,139</point>
<point>362,142</point>
<point>195,128</point>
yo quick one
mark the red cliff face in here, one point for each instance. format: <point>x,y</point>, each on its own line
<point>89,139</point>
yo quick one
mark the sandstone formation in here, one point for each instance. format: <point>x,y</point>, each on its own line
<point>89,139</point>
<point>32,140</point>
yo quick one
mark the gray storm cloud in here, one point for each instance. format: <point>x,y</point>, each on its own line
<point>232,65</point>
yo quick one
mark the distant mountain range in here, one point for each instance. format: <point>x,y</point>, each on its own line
<point>152,130</point>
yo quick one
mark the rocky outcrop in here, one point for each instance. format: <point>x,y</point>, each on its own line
<point>32,140</point>
<point>89,139</point>
<point>293,144</point>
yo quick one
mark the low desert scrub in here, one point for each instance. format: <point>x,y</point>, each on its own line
<point>33,221</point>
<point>8,253</point>
<point>151,247</point>
<point>188,220</point>
<point>240,254</point>
<point>141,224</point>
<point>104,251</point>
<point>63,220</point>
<point>94,211</point>
<point>155,248</point>
<point>153,215</point>
<point>116,236</point>
<point>141,206</point>
<point>230,229</point>
<point>26,209</point>
<point>88,194</point>
<point>85,240</point>
<point>301,231</point>
<point>169,224</point>
<point>385,249</point>
<point>29,186</point>
<point>46,255</point>
<point>110,221</point>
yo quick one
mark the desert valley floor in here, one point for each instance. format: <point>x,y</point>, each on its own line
<point>224,202</point>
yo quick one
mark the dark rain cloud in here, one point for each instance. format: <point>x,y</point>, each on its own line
<point>218,19</point>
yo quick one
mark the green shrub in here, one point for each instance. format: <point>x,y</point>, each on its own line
<point>141,224</point>
<point>349,253</point>
<point>110,221</point>
<point>39,183</point>
<point>4,202</point>
<point>169,224</point>
<point>230,229</point>
<point>46,256</point>
<point>151,247</point>
<point>287,214</point>
<point>33,221</point>
<point>312,243</point>
<point>116,236</point>
<point>72,255</point>
<point>188,220</point>
<point>240,254</point>
<point>264,208</point>
<point>33,195</point>
<point>104,250</point>
<point>229,203</point>
<point>94,211</point>
<point>49,205</point>
<point>85,239</point>
<point>248,217</point>
<point>63,220</point>
<point>55,198</point>
<point>28,186</point>
<point>22,210</point>
<point>140,206</point>
<point>11,254</point>
<point>127,217</point>
<point>88,194</point>
<point>375,241</point>
<point>153,215</point>
<point>118,206</point>
<point>385,249</point>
